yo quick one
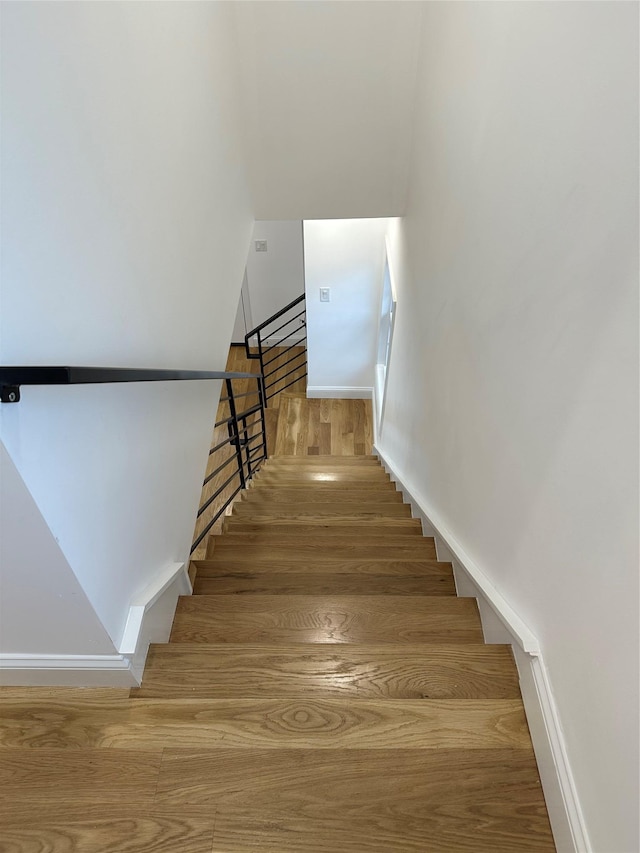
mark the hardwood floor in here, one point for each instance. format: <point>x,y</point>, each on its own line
<point>324,690</point>
<point>295,426</point>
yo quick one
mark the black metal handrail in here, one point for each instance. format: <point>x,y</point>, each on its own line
<point>12,377</point>
<point>272,367</point>
<point>241,438</point>
<point>245,456</point>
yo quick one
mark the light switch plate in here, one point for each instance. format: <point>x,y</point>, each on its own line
<point>325,294</point>
<point>261,245</point>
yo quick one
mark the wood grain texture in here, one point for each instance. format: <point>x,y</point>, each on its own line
<point>290,583</point>
<point>327,509</point>
<point>300,671</point>
<point>353,782</point>
<point>259,495</point>
<point>97,776</point>
<point>348,460</point>
<point>135,827</point>
<point>327,619</point>
<point>323,481</point>
<point>324,690</point>
<point>250,546</point>
<point>309,429</point>
<point>403,526</point>
<point>507,828</point>
<point>235,563</point>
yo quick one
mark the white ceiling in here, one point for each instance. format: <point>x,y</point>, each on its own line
<point>327,91</point>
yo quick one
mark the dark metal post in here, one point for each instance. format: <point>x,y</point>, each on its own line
<point>263,402</point>
<point>235,435</point>
<point>260,353</point>
<point>247,447</point>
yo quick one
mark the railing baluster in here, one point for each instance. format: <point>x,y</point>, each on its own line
<point>236,436</point>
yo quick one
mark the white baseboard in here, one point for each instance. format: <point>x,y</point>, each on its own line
<point>149,621</point>
<point>502,624</point>
<point>26,670</point>
<point>338,392</point>
<point>151,615</point>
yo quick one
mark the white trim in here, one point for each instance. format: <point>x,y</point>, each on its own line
<point>339,392</point>
<point>38,670</point>
<point>149,621</point>
<point>501,623</point>
<point>374,406</point>
<point>145,600</point>
<point>151,615</point>
<point>524,636</point>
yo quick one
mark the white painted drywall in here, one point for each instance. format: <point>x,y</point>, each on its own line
<point>346,255</point>
<point>43,608</point>
<point>243,323</point>
<point>513,384</point>
<point>275,277</point>
<point>126,223</point>
<point>328,93</point>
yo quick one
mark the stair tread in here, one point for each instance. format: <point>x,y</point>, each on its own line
<point>290,583</point>
<point>293,496</point>
<point>234,546</point>
<point>300,509</point>
<point>323,564</point>
<point>326,619</point>
<point>319,480</point>
<point>364,801</point>
<point>300,670</point>
<point>140,724</point>
<point>403,526</point>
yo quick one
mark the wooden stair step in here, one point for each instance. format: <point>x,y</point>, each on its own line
<point>286,549</point>
<point>323,565</point>
<point>395,526</point>
<point>322,461</point>
<point>325,619</point>
<point>322,480</point>
<point>465,671</point>
<point>69,827</point>
<point>289,583</point>
<point>144,727</point>
<point>260,495</point>
<point>365,801</point>
<point>328,509</point>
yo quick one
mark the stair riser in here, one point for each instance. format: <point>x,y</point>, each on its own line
<point>324,510</point>
<point>395,527</point>
<point>261,565</point>
<point>305,584</point>
<point>297,551</point>
<point>259,496</point>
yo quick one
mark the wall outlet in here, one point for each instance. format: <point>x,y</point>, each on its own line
<point>325,294</point>
<point>261,245</point>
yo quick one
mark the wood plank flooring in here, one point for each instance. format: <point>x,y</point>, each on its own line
<point>294,425</point>
<point>324,690</point>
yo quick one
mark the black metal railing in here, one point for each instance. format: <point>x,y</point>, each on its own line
<point>270,345</point>
<point>235,458</point>
<point>11,378</point>
<point>238,450</point>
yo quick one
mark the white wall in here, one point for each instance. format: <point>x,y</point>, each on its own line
<point>275,277</point>
<point>126,221</point>
<point>513,391</point>
<point>35,579</point>
<point>346,255</point>
<point>328,93</point>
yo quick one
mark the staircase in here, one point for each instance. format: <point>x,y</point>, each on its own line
<point>342,695</point>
